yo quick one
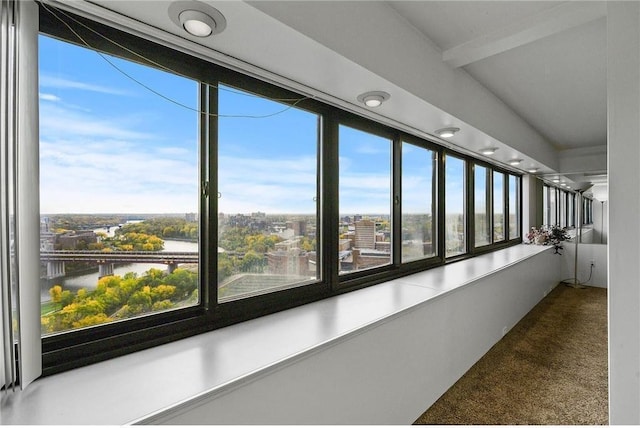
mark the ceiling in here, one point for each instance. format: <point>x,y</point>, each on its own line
<point>554,79</point>
<point>545,61</point>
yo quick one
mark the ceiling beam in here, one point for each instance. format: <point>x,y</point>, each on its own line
<point>544,24</point>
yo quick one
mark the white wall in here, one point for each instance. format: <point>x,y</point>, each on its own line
<point>391,373</point>
<point>623,106</point>
<point>586,253</point>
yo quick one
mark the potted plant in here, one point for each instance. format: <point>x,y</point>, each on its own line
<point>549,235</point>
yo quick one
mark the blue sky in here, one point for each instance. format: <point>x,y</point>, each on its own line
<point>108,145</point>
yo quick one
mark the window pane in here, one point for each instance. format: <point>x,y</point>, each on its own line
<point>563,208</point>
<point>545,204</point>
<point>119,189</point>
<point>365,200</point>
<point>498,206</point>
<point>572,212</point>
<point>514,207</point>
<point>455,206</point>
<point>553,216</point>
<point>267,209</point>
<point>418,179</point>
<point>481,207</point>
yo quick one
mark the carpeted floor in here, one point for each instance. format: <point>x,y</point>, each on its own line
<point>550,369</point>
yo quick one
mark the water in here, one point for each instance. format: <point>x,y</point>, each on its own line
<point>90,280</point>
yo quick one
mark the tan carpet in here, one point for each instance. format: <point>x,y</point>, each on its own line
<point>550,369</point>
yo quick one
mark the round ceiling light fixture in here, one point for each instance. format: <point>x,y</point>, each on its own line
<point>373,99</point>
<point>196,18</point>
<point>515,162</point>
<point>532,170</point>
<point>488,151</point>
<point>447,132</point>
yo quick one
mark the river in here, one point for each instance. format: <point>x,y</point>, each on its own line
<point>90,280</point>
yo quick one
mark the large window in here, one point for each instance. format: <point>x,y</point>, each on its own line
<point>498,206</point>
<point>553,207</point>
<point>267,200</point>
<point>514,207</point>
<point>365,200</point>
<point>418,208</point>
<point>455,212</point>
<point>178,196</point>
<point>119,189</point>
<point>482,206</point>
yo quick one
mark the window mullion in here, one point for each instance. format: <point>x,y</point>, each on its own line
<point>209,194</point>
<point>329,200</point>
<point>470,208</point>
<point>396,222</point>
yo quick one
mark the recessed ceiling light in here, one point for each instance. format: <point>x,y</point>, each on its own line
<point>447,132</point>
<point>373,99</point>
<point>515,162</point>
<point>488,151</point>
<point>196,18</point>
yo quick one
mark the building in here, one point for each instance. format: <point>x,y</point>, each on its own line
<point>365,236</point>
<point>548,90</point>
<point>75,240</point>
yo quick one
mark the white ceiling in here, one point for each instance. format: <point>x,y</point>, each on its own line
<point>554,78</point>
<point>545,62</point>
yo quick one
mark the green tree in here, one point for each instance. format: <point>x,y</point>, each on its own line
<point>252,262</point>
<point>56,293</point>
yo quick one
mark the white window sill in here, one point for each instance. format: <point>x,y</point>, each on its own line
<point>147,383</point>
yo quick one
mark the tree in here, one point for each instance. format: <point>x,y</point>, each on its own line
<point>252,262</point>
<point>56,293</point>
<point>162,292</point>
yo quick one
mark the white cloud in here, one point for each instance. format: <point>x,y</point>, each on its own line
<point>106,165</point>
<point>49,97</point>
<point>48,81</point>
<point>58,122</point>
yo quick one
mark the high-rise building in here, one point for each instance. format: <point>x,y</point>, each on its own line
<point>365,234</point>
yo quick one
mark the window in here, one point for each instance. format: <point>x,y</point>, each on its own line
<point>514,204</point>
<point>572,213</point>
<point>178,196</point>
<point>563,208</point>
<point>498,206</point>
<point>418,208</point>
<point>455,218</point>
<point>267,195</point>
<point>553,213</point>
<point>365,200</point>
<point>545,205</point>
<point>119,189</point>
<point>482,204</point>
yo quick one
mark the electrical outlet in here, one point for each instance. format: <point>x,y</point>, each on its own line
<point>505,330</point>
<point>593,263</point>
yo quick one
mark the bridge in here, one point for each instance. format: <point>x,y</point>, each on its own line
<point>56,259</point>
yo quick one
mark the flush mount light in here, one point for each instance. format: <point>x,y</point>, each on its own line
<point>532,170</point>
<point>488,151</point>
<point>373,98</point>
<point>197,19</point>
<point>556,180</point>
<point>515,162</point>
<point>447,132</point>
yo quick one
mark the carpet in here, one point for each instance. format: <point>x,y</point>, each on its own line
<point>550,369</point>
